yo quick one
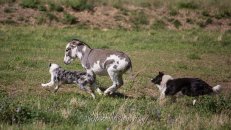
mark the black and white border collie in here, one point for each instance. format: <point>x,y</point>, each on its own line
<point>187,86</point>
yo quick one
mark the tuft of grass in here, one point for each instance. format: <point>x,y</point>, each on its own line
<point>175,22</point>
<point>55,7</point>
<point>159,24</point>
<point>80,5</point>
<point>42,8</point>
<point>30,3</point>
<point>69,19</point>
<point>8,22</point>
<point>139,18</point>
<point>194,56</point>
<point>9,10</point>
<point>187,5</point>
<point>173,12</point>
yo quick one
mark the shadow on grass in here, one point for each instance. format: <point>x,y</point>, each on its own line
<point>117,94</point>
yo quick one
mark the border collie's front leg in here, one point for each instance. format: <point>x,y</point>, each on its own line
<point>95,86</point>
<point>89,90</point>
<point>162,96</point>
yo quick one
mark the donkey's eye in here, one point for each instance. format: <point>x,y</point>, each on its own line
<point>67,49</point>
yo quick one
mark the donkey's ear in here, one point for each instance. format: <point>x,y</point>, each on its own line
<point>161,73</point>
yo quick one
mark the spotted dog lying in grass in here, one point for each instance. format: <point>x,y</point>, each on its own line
<point>60,76</point>
<point>169,86</point>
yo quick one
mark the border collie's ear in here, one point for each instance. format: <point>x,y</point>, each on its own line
<point>50,65</point>
<point>161,73</point>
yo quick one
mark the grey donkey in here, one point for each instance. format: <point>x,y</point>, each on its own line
<point>99,62</point>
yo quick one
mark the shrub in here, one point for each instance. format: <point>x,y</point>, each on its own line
<point>29,3</point>
<point>42,8</point>
<point>139,18</point>
<point>158,24</point>
<point>194,56</point>
<point>55,7</point>
<point>210,104</point>
<point>69,19</point>
<point>173,12</point>
<point>226,38</point>
<point>12,113</point>
<point>190,21</point>
<point>52,17</point>
<point>81,5</point>
<point>187,5</point>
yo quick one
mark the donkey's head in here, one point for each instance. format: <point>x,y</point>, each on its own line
<point>74,49</point>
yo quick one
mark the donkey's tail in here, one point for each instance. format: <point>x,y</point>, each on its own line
<point>217,88</point>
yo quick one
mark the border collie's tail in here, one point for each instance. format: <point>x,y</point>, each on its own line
<point>217,88</point>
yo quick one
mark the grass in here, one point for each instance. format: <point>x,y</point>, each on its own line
<point>26,52</point>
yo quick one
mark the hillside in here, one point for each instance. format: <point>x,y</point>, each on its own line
<point>149,14</point>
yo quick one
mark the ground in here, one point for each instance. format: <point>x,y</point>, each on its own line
<point>183,39</point>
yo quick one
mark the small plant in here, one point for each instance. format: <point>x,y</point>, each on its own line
<point>226,39</point>
<point>190,21</point>
<point>223,14</point>
<point>187,5</point>
<point>173,12</point>
<point>9,10</point>
<point>52,17</point>
<point>205,13</point>
<point>55,7</point>
<point>42,8</point>
<point>29,3</point>
<point>139,18</point>
<point>158,24</point>
<point>194,56</point>
<point>175,22</point>
<point>81,5</point>
<point>69,19</point>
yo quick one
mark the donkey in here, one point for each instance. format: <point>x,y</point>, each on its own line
<point>99,61</point>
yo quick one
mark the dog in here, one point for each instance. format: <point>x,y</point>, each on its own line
<point>60,76</point>
<point>187,86</point>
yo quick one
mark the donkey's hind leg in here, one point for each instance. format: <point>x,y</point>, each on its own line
<point>117,80</point>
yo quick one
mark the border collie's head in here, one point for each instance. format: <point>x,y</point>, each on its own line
<point>158,78</point>
<point>53,67</point>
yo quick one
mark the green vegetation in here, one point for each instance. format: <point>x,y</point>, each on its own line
<point>26,52</point>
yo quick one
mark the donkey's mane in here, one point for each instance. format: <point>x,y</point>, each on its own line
<point>81,42</point>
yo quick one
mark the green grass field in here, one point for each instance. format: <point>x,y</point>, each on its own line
<point>26,52</point>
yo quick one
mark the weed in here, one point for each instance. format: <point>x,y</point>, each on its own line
<point>223,14</point>
<point>29,3</point>
<point>158,24</point>
<point>175,22</point>
<point>69,19</point>
<point>9,10</point>
<point>51,17</point>
<point>173,12</point>
<point>42,8</point>
<point>226,38</point>
<point>190,21</point>
<point>81,5</point>
<point>8,21</point>
<point>205,13</point>
<point>194,56</point>
<point>55,7</point>
<point>187,5</point>
<point>139,18</point>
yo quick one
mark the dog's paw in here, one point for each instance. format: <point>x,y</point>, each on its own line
<point>43,85</point>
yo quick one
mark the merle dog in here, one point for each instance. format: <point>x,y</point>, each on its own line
<point>187,86</point>
<point>60,76</point>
